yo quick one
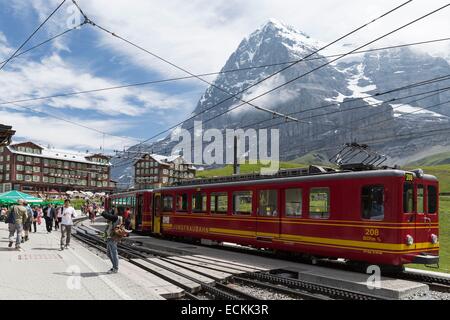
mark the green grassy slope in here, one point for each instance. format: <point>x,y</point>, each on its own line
<point>433,160</point>
<point>245,168</point>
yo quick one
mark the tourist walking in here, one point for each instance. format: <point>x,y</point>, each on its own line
<point>58,217</point>
<point>28,222</point>
<point>68,213</point>
<point>49,217</point>
<point>35,218</point>
<point>40,214</point>
<point>18,215</point>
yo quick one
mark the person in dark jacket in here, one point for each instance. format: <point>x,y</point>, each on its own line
<point>114,220</point>
<point>35,218</point>
<point>49,216</point>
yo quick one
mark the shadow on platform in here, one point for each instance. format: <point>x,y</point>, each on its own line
<point>83,274</point>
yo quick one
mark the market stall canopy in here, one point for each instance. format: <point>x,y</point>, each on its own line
<point>13,196</point>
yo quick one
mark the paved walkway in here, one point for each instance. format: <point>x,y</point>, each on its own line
<point>41,271</point>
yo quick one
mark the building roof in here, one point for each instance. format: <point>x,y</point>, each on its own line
<point>6,133</point>
<point>164,160</point>
<point>57,154</point>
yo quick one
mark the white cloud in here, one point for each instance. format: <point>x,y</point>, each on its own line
<point>201,34</point>
<point>52,76</point>
<point>45,130</point>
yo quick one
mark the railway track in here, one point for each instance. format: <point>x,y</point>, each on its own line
<point>435,283</point>
<point>232,288</point>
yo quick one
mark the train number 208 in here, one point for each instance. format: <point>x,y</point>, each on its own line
<point>372,232</point>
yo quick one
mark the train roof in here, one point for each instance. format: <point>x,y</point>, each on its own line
<point>300,178</point>
<point>313,173</point>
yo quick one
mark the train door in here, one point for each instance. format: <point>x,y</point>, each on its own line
<point>268,225</point>
<point>426,213</point>
<point>139,207</point>
<point>157,213</point>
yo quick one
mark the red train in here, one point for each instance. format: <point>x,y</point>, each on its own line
<point>387,217</point>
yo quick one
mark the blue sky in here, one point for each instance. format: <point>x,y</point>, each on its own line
<point>198,35</point>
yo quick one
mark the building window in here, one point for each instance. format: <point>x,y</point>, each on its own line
<point>408,197</point>
<point>219,203</point>
<point>167,203</point>
<point>28,178</point>
<point>36,179</point>
<point>36,169</point>
<point>432,199</point>
<point>268,203</point>
<point>19,177</point>
<point>19,167</point>
<point>45,179</point>
<point>199,202</point>
<point>20,158</point>
<point>46,162</point>
<point>182,202</point>
<point>319,204</point>
<point>372,198</point>
<point>37,160</point>
<point>28,160</point>
<point>242,202</point>
<point>293,202</point>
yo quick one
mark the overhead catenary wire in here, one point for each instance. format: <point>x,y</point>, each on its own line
<point>32,35</point>
<point>363,98</point>
<point>346,126</point>
<point>45,42</point>
<point>161,81</point>
<point>273,74</point>
<point>73,122</point>
<point>292,80</point>
<point>397,137</point>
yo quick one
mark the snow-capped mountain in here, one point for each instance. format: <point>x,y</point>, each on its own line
<point>322,97</point>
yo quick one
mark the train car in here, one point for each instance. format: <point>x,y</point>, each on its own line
<point>387,217</point>
<point>140,205</point>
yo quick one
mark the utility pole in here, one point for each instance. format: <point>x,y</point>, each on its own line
<point>236,165</point>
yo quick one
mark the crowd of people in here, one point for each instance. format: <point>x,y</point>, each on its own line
<point>22,219</point>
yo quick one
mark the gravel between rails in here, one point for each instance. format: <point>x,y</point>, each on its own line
<point>429,295</point>
<point>260,293</point>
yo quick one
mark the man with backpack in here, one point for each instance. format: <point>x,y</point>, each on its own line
<point>115,231</point>
<point>28,222</point>
<point>16,218</point>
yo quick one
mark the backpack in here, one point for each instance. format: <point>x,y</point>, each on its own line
<point>11,217</point>
<point>119,232</point>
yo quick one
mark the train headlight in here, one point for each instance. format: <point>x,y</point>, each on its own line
<point>434,239</point>
<point>409,240</point>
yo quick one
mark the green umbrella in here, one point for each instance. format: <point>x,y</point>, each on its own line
<point>13,196</point>
<point>56,202</point>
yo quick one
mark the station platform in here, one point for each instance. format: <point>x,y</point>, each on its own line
<point>389,288</point>
<point>40,271</point>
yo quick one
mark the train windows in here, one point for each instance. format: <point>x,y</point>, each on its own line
<point>199,202</point>
<point>268,203</point>
<point>242,202</point>
<point>219,203</point>
<point>319,204</point>
<point>408,197</point>
<point>167,203</point>
<point>293,202</point>
<point>372,199</point>
<point>420,199</point>
<point>182,202</point>
<point>432,199</point>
